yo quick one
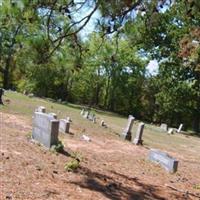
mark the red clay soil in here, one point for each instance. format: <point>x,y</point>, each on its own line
<point>109,169</point>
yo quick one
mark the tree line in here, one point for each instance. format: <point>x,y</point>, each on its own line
<point>43,52</point>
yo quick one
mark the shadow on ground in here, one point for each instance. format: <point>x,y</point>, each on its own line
<point>117,186</point>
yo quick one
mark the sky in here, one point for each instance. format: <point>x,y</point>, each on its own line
<point>152,67</point>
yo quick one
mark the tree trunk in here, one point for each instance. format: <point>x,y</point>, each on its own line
<point>196,123</point>
<point>1,94</point>
<point>106,93</point>
<point>6,77</point>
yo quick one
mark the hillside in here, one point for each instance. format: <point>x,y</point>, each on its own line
<point>110,168</point>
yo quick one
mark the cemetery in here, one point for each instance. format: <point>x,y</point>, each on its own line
<point>129,159</point>
<point>99,100</point>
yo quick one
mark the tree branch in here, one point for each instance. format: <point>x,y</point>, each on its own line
<point>49,19</point>
<point>67,34</point>
<point>86,18</point>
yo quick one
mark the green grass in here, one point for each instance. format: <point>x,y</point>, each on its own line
<point>153,137</point>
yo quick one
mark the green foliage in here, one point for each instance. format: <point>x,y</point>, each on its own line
<point>197,186</point>
<point>58,147</point>
<point>74,163</point>
<point>41,52</point>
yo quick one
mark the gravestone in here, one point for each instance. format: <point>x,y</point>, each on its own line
<point>126,134</point>
<point>91,117</point>
<point>170,131</point>
<point>45,129</point>
<point>166,161</point>
<point>138,139</point>
<point>41,109</point>
<point>53,115</point>
<point>82,112</point>
<point>103,124</point>
<point>94,120</point>
<point>64,126</point>
<point>164,127</point>
<point>180,128</point>
<point>68,119</point>
<point>30,95</point>
<point>86,114</point>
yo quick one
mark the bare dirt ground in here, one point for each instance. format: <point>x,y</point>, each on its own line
<point>110,168</point>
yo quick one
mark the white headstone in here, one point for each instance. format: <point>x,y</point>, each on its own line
<point>170,131</point>
<point>164,127</point>
<point>180,128</point>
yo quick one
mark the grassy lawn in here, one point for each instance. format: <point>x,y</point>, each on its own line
<point>153,137</point>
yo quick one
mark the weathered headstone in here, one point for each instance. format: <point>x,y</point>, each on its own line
<point>64,126</point>
<point>41,109</point>
<point>164,127</point>
<point>166,161</point>
<point>126,134</point>
<point>138,139</point>
<point>180,128</point>
<point>45,129</point>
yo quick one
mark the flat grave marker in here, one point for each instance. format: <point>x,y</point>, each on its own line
<point>167,162</point>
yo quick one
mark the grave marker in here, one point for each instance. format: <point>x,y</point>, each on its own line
<point>166,161</point>
<point>94,120</point>
<point>164,127</point>
<point>41,109</point>
<point>180,128</point>
<point>127,131</point>
<point>170,131</point>
<point>53,115</point>
<point>45,129</point>
<point>103,123</point>
<point>86,114</point>
<point>82,112</point>
<point>64,126</point>
<point>138,139</point>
